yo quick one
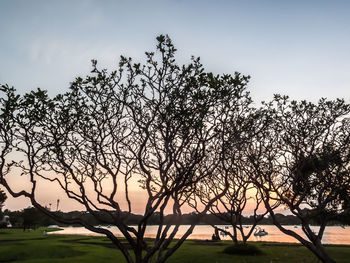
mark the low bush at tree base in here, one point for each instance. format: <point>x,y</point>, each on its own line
<point>243,249</point>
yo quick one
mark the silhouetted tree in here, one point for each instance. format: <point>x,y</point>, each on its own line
<point>151,124</point>
<point>302,162</point>
<point>30,218</point>
<point>237,131</point>
<point>8,106</point>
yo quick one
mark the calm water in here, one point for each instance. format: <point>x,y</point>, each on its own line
<point>332,235</point>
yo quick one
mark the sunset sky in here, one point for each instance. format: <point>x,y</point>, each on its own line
<point>296,48</point>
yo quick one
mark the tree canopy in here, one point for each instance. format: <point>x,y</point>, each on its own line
<point>153,125</point>
<point>302,163</point>
<point>183,137</point>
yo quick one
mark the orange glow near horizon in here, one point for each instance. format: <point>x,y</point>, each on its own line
<point>49,193</point>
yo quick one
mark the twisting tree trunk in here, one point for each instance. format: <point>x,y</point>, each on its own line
<point>237,132</point>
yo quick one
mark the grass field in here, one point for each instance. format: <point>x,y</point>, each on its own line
<point>33,246</point>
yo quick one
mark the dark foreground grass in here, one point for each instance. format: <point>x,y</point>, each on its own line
<point>19,246</point>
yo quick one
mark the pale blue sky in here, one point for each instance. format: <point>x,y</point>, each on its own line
<point>298,48</point>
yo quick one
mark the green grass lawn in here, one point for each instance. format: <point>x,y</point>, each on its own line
<point>19,246</point>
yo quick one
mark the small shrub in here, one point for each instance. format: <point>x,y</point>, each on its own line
<point>242,249</point>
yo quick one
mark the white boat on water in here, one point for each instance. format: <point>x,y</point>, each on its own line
<point>260,232</point>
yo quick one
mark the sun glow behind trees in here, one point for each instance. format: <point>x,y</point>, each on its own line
<point>187,138</point>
